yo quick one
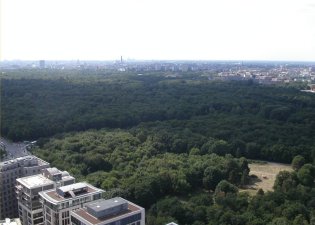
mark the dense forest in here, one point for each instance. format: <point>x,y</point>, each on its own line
<point>260,122</point>
<point>179,146</point>
<point>198,187</point>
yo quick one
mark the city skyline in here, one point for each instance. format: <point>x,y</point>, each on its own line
<point>158,30</point>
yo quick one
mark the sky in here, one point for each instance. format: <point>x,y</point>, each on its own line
<point>158,29</point>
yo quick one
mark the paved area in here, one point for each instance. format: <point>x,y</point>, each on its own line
<point>14,150</point>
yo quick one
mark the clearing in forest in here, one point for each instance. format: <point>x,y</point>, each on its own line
<point>263,175</point>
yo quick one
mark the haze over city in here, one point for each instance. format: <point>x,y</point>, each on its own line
<point>148,29</point>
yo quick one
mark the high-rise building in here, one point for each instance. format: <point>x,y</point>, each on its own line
<point>27,189</point>
<point>109,212</point>
<point>29,207</point>
<point>9,172</point>
<point>58,203</point>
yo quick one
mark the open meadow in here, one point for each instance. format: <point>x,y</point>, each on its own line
<point>263,175</point>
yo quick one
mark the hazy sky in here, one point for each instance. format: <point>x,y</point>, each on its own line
<point>158,29</point>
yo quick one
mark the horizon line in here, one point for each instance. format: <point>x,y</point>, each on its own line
<point>147,60</point>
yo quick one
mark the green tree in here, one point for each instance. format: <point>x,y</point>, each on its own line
<point>297,162</point>
<point>285,181</point>
<point>224,187</point>
<point>306,175</point>
<point>300,220</point>
<point>280,221</point>
<point>212,176</point>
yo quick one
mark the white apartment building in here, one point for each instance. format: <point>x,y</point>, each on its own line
<point>9,172</point>
<point>58,203</point>
<point>115,211</point>
<point>27,189</point>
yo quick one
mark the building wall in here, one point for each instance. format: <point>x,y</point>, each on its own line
<point>60,214</point>
<point>137,218</point>
<point>29,207</point>
<point>30,217</point>
<point>8,202</point>
<point>9,172</point>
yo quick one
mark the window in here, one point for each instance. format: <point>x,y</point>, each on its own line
<point>65,214</point>
<point>75,221</point>
<point>48,217</point>
<point>48,211</point>
<point>131,219</point>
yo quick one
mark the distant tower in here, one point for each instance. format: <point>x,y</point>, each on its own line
<point>42,64</point>
<point>121,60</point>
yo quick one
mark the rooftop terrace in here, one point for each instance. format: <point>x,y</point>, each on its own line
<point>87,215</point>
<point>34,181</point>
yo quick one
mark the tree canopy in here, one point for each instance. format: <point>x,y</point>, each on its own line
<point>175,146</point>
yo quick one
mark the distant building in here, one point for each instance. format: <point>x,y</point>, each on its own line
<point>42,64</point>
<point>58,203</point>
<point>172,223</point>
<point>112,211</point>
<point>8,221</point>
<point>9,172</point>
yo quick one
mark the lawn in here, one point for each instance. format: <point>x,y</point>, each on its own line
<point>263,175</point>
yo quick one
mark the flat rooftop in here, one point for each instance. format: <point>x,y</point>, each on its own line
<point>73,187</point>
<point>83,213</point>
<point>53,170</point>
<point>65,178</point>
<point>34,181</point>
<point>25,161</point>
<point>53,196</point>
<point>106,204</point>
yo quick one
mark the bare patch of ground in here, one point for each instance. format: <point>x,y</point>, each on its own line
<point>263,175</point>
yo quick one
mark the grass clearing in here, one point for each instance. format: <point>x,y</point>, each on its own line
<point>265,173</point>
